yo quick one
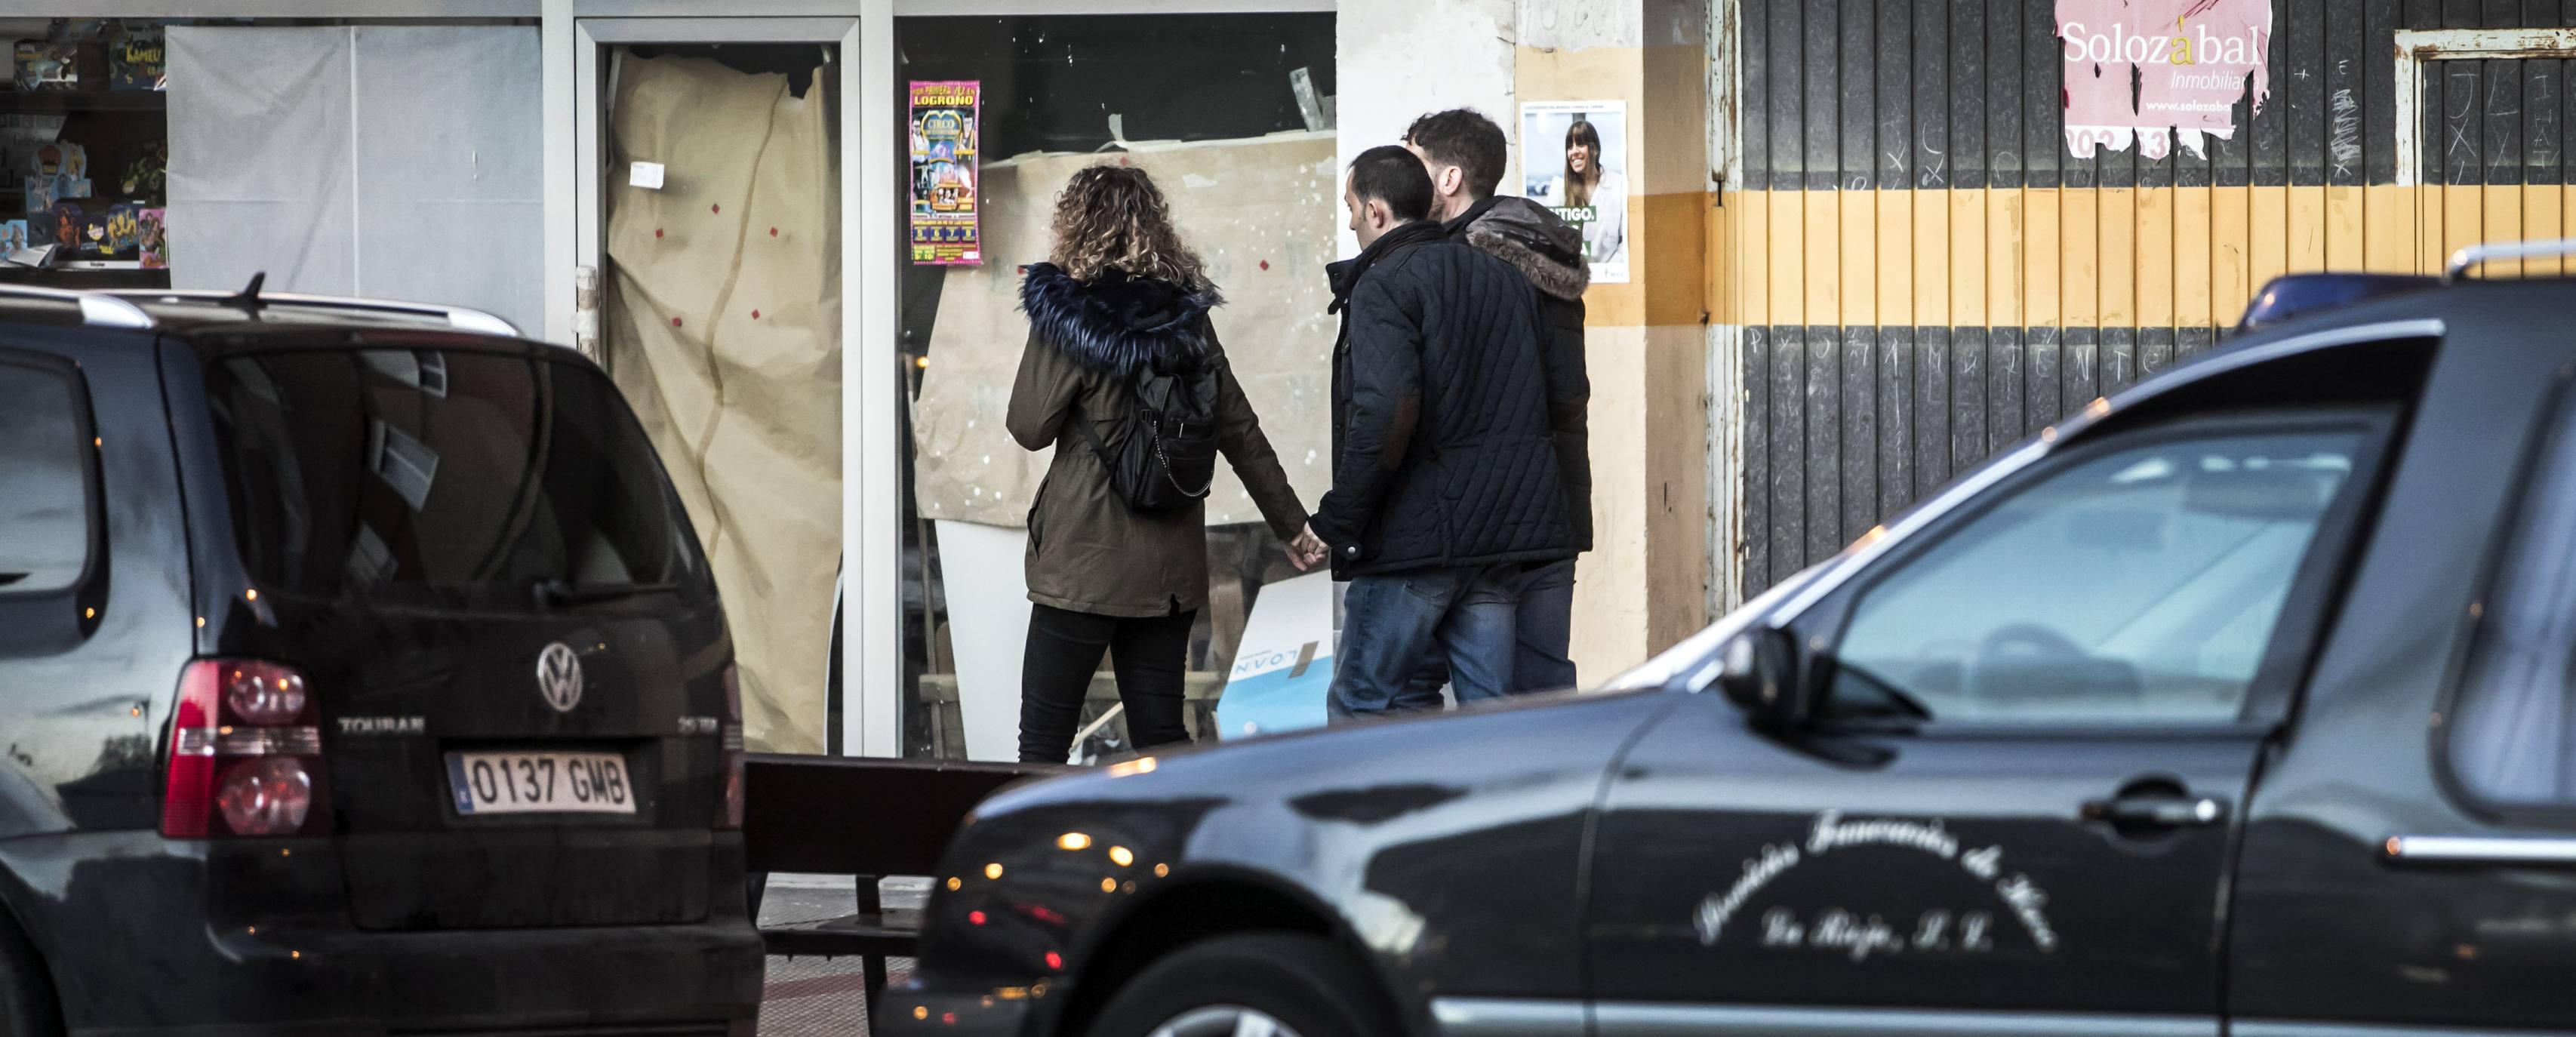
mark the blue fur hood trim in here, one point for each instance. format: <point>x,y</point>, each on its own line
<point>1119,325</point>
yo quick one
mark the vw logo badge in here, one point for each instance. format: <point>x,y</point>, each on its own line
<point>559,677</point>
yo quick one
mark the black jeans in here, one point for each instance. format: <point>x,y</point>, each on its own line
<point>1064,651</point>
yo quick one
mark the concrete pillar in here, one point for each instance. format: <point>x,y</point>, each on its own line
<point>1643,587</point>
<point>1402,58</point>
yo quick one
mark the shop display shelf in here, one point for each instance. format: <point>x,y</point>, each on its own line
<point>73,277</point>
<point>26,102</point>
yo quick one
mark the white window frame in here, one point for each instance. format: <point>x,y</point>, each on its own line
<point>871,723</point>
<point>2417,46</point>
<point>1727,393</point>
<point>869,431</point>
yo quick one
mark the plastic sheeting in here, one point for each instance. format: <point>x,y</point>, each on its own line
<point>1260,211</point>
<point>397,162</point>
<point>722,325</point>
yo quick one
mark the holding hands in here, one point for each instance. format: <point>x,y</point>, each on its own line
<point>1307,550</point>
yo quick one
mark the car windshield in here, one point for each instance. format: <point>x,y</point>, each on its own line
<point>452,477</point>
<point>2139,586</point>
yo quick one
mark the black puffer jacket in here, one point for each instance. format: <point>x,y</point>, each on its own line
<point>1548,251</point>
<point>1443,454</point>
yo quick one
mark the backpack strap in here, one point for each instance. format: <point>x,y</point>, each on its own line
<point>1082,420</point>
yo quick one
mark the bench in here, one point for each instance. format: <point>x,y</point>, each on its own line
<point>864,818</point>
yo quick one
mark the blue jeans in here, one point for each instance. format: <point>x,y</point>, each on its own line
<point>1543,626</point>
<point>1392,625</point>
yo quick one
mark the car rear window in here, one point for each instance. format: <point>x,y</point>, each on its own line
<point>458,477</point>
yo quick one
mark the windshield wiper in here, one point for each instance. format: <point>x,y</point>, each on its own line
<point>565,592</point>
<point>10,578</point>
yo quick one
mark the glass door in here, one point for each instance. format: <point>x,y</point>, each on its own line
<point>711,252</point>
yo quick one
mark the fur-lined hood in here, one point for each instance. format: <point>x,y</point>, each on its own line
<point>1119,325</point>
<point>1545,249</point>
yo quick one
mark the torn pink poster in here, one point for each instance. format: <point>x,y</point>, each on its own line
<point>2147,71</point>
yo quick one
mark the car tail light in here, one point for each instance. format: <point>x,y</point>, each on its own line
<point>262,694</point>
<point>730,814</point>
<point>267,795</point>
<point>245,754</point>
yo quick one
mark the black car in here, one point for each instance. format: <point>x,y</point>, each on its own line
<point>2241,702</point>
<point>360,674</point>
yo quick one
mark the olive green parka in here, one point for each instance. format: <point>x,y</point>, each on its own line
<point>1088,551</point>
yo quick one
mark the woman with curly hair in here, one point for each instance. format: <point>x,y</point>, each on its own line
<point>1122,300</point>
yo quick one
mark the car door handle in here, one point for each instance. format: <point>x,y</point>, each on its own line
<point>2156,811</point>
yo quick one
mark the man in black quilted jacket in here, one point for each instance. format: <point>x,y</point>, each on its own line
<point>1446,480</point>
<point>1464,153</point>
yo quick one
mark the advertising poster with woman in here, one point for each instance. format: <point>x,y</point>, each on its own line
<point>1574,159</point>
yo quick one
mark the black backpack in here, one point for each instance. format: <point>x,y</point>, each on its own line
<point>1167,460</point>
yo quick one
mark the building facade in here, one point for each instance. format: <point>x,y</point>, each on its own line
<point>1865,244</point>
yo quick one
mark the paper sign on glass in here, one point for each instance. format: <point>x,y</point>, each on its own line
<point>946,119</point>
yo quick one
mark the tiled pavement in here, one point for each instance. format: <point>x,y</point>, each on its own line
<point>814,997</point>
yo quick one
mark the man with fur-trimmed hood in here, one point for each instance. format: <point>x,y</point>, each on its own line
<point>1464,152</point>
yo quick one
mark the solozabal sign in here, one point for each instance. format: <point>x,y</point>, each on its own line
<point>2148,72</point>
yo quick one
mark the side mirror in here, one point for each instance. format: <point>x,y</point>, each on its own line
<point>1759,673</point>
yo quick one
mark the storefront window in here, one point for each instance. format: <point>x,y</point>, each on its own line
<point>335,156</point>
<point>84,153</point>
<point>1232,116</point>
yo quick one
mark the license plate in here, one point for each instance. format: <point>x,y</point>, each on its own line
<point>540,783</point>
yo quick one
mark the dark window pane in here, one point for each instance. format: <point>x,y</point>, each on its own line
<point>455,476</point>
<point>44,504</point>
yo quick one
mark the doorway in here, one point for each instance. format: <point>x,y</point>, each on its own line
<point>711,254</point>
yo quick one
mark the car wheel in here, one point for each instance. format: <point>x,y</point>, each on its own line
<point>1255,985</point>
<point>27,1006</point>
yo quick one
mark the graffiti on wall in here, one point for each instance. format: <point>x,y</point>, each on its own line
<point>2148,72</point>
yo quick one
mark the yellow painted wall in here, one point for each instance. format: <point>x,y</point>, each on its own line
<point>2084,257</point>
<point>1644,584</point>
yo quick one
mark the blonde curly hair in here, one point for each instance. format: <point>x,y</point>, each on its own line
<point>1112,217</point>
